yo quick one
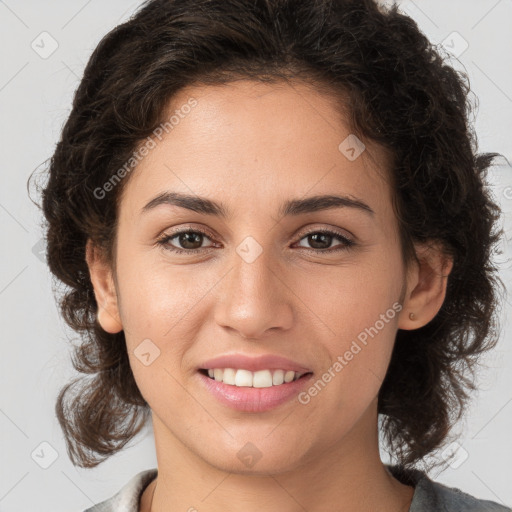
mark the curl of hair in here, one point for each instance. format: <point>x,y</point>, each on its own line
<point>396,90</point>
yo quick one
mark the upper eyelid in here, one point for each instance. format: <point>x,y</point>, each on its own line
<point>187,229</point>
<point>335,231</point>
<point>301,234</point>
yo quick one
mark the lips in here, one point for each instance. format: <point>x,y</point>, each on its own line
<point>251,399</point>
<point>254,364</point>
<point>259,398</point>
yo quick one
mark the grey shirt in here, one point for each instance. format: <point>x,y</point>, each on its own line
<point>429,496</point>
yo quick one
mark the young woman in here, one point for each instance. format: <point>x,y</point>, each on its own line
<point>275,230</point>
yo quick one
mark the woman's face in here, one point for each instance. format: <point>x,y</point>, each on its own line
<point>253,284</point>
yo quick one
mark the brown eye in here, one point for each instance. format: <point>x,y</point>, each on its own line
<point>321,241</point>
<point>188,241</point>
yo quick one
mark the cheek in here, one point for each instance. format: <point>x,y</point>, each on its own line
<point>163,310</point>
<point>347,299</point>
<point>160,323</point>
<point>357,310</point>
<point>156,296</point>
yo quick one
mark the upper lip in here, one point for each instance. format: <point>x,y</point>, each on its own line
<point>263,362</point>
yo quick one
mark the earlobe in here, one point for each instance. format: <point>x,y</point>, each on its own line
<point>427,281</point>
<point>104,289</point>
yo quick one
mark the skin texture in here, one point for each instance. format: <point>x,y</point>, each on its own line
<point>252,146</point>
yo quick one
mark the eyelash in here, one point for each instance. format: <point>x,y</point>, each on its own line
<point>164,241</point>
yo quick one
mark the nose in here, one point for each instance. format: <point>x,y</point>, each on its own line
<point>254,298</point>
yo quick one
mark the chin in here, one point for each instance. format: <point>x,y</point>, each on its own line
<point>253,458</point>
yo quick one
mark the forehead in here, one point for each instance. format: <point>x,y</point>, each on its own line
<point>251,143</point>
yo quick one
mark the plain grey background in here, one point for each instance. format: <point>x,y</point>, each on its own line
<point>44,48</point>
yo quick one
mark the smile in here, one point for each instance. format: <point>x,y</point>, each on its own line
<point>253,391</point>
<point>258,379</point>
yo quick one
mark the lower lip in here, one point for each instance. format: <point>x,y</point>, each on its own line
<point>247,399</point>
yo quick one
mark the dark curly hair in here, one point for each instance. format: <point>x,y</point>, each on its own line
<point>398,92</point>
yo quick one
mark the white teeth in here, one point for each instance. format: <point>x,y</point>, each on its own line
<point>243,378</point>
<point>278,377</point>
<point>259,379</point>
<point>229,376</point>
<point>288,376</point>
<point>262,379</point>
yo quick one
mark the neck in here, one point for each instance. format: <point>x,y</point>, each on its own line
<point>350,475</point>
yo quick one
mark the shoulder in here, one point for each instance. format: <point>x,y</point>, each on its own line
<point>452,499</point>
<point>127,498</point>
<point>432,496</point>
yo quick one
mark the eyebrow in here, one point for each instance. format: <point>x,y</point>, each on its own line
<point>291,207</point>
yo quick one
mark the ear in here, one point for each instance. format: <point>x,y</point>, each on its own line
<point>104,289</point>
<point>427,279</point>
